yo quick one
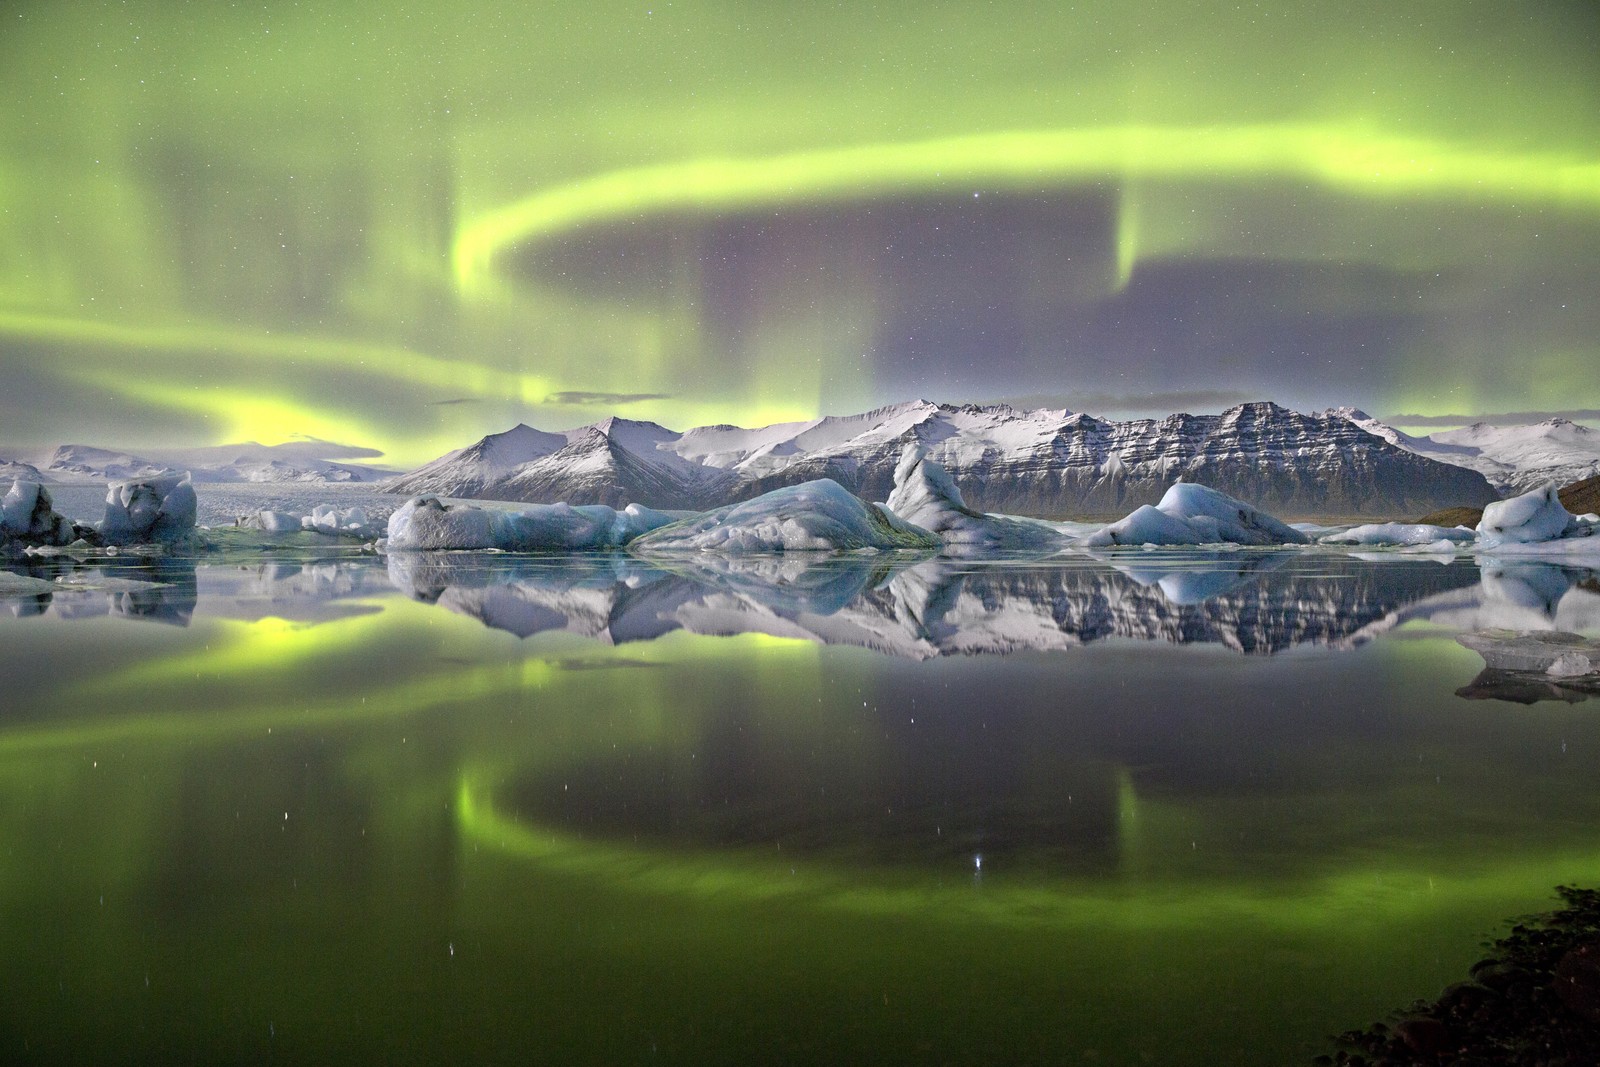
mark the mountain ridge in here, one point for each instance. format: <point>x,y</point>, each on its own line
<point>1514,459</point>
<point>1050,463</point>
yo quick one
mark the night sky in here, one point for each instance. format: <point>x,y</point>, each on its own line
<point>404,225</point>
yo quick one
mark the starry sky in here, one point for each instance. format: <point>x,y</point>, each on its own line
<point>403,225</point>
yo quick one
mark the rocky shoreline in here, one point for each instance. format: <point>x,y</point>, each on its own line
<point>1533,1002</point>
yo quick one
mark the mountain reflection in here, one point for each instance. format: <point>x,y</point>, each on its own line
<point>156,590</point>
<point>1257,603</point>
<point>912,607</point>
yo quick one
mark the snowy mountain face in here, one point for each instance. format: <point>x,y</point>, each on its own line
<point>615,462</point>
<point>249,462</point>
<point>1048,463</point>
<point>1514,459</point>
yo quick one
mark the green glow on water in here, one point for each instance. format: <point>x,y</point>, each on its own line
<point>1380,895</point>
<point>236,805</point>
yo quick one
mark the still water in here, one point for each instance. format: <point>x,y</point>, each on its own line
<point>313,807</point>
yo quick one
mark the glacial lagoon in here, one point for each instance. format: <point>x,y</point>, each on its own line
<point>313,805</point>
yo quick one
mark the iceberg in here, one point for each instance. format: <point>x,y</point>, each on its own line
<point>28,515</point>
<point>1535,516</point>
<point>926,496</point>
<point>1191,514</point>
<point>426,523</point>
<point>815,516</point>
<point>153,509</point>
<point>278,521</point>
<point>1400,533</point>
<point>324,519</point>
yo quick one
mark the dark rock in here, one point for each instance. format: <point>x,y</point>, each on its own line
<point>1577,981</point>
<point>1457,516</point>
<point>1430,1037</point>
<point>1534,1003</point>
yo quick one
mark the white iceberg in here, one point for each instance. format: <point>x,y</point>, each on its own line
<point>1530,518</point>
<point>424,522</point>
<point>1191,514</point>
<point>1399,533</point>
<point>153,509</point>
<point>28,514</point>
<point>816,516</point>
<point>279,521</point>
<point>926,496</point>
<point>324,519</point>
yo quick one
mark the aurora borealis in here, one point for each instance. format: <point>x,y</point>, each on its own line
<point>406,225</point>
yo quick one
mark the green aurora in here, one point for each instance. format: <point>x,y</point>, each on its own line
<point>406,225</point>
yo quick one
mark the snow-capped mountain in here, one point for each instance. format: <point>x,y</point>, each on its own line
<point>13,469</point>
<point>476,470</point>
<point>614,462</point>
<point>1514,459</point>
<point>88,463</point>
<point>1046,463</point>
<point>296,461</point>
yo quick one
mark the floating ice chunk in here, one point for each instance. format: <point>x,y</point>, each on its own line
<point>1191,514</point>
<point>278,521</point>
<point>1236,521</point>
<point>925,495</point>
<point>425,523</point>
<point>1398,533</point>
<point>561,526</point>
<point>28,514</point>
<point>324,519</point>
<point>1147,525</point>
<point>1531,517</point>
<point>816,516</point>
<point>346,522</point>
<point>155,509</point>
<point>1560,655</point>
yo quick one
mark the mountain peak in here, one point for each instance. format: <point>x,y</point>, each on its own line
<point>1256,409</point>
<point>1349,413</point>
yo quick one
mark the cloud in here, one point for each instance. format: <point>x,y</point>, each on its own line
<point>305,447</point>
<point>1509,418</point>
<point>579,398</point>
<point>1188,400</point>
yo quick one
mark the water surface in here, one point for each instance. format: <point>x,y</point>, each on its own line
<point>1163,808</point>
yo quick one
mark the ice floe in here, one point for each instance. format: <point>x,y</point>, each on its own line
<point>323,519</point>
<point>1533,517</point>
<point>816,516</point>
<point>150,510</point>
<point>926,496</point>
<point>27,516</point>
<point>1192,514</point>
<point>425,522</point>
<point>1401,533</point>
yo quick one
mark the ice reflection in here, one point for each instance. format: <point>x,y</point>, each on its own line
<point>156,590</point>
<point>920,608</point>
